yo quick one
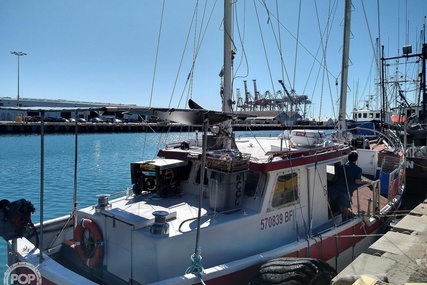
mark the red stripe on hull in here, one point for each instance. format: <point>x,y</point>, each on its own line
<point>325,249</point>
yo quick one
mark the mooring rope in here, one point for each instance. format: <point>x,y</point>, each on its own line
<point>196,267</point>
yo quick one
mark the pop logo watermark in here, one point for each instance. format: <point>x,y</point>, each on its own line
<point>22,273</point>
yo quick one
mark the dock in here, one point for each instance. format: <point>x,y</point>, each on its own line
<point>134,127</point>
<point>398,257</point>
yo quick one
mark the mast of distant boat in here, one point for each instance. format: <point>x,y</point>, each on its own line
<point>344,76</point>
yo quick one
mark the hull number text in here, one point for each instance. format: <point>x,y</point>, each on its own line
<point>276,220</point>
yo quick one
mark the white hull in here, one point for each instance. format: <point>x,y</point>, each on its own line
<point>242,224</point>
<point>54,273</point>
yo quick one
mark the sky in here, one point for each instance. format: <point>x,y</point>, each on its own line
<point>142,52</point>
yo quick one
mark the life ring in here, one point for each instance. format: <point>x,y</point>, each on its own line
<point>89,249</point>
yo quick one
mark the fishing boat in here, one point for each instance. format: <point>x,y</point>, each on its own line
<point>211,209</point>
<point>409,118</point>
<point>398,113</point>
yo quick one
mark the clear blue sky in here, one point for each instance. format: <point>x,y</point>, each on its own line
<point>105,51</point>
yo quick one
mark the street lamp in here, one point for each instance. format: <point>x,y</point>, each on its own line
<point>18,54</point>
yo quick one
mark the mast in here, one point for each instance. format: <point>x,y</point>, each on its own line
<point>344,76</point>
<point>423,76</point>
<point>226,73</point>
<point>228,56</point>
<point>228,68</point>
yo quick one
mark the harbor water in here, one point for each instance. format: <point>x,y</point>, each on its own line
<point>103,168</point>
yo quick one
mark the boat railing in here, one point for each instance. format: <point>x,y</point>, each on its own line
<point>374,201</point>
<point>391,176</point>
<point>413,150</point>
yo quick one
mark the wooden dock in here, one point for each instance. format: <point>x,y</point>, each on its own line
<point>398,257</point>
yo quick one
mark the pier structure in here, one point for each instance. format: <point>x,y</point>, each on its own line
<point>60,128</point>
<point>398,257</point>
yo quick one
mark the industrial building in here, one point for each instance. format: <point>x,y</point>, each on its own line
<point>11,115</point>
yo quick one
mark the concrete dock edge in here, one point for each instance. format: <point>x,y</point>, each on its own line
<point>398,257</point>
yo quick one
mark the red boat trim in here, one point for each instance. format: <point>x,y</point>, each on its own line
<point>294,159</point>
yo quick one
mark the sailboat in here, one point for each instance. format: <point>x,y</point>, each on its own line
<point>211,209</point>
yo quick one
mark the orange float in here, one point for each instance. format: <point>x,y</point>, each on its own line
<point>398,118</point>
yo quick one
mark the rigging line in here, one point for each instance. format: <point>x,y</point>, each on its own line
<point>332,11</point>
<point>278,41</point>
<point>368,81</point>
<point>398,30</point>
<point>197,45</point>
<point>406,39</point>
<point>282,62</point>
<point>145,137</point>
<point>263,45</point>
<point>378,23</point>
<point>406,23</point>
<point>303,46</point>
<point>197,52</point>
<point>182,59</point>
<point>191,76</point>
<point>370,34</point>
<point>296,44</point>
<point>324,48</point>
<point>157,54</point>
<point>242,41</point>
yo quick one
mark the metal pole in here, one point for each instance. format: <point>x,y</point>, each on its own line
<point>18,54</point>
<point>75,172</point>
<point>41,185</point>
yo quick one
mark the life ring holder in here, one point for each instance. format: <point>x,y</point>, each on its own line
<point>97,255</point>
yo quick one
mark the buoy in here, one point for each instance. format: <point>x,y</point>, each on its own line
<point>398,118</point>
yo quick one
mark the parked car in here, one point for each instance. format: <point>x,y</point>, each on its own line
<point>54,119</point>
<point>50,119</point>
<point>117,121</point>
<point>82,120</point>
<point>96,120</point>
<point>32,119</point>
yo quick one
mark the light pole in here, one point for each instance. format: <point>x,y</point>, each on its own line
<point>18,54</point>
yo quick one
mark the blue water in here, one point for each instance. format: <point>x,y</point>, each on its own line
<point>103,167</point>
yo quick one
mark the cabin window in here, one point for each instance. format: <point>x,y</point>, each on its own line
<point>286,190</point>
<point>377,115</point>
<point>365,115</point>
<point>371,116</point>
<point>254,184</point>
